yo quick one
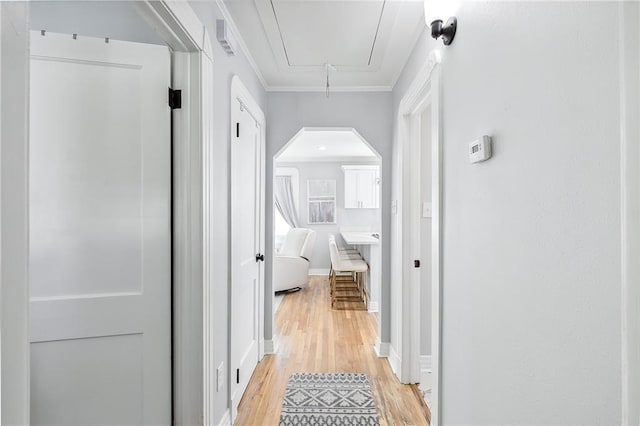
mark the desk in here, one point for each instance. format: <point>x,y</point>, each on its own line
<point>369,248</point>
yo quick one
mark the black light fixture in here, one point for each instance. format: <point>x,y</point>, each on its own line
<point>434,12</point>
<point>446,31</point>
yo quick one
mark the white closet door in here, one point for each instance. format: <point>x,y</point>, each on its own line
<point>100,260</point>
<point>245,245</point>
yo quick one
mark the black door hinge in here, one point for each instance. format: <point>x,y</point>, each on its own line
<point>237,130</point>
<point>259,257</point>
<point>416,263</point>
<point>238,376</point>
<point>175,98</point>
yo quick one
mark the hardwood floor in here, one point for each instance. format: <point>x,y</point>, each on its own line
<point>310,337</point>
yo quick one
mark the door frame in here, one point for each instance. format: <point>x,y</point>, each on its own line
<point>424,91</point>
<point>239,93</point>
<point>192,63</point>
<point>629,16</point>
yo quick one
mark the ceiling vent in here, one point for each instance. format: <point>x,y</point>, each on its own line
<point>225,37</point>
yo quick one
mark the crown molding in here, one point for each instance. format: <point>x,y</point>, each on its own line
<point>243,46</point>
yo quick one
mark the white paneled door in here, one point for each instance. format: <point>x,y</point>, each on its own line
<point>100,232</point>
<point>245,249</point>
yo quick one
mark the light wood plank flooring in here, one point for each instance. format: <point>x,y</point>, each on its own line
<point>310,337</point>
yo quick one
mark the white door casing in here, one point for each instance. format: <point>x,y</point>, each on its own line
<point>100,245</point>
<point>247,240</point>
<point>422,93</point>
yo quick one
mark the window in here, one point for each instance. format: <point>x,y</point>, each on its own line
<point>321,195</point>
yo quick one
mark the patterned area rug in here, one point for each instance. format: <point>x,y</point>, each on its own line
<point>328,399</point>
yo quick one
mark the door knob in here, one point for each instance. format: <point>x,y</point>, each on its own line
<point>259,257</point>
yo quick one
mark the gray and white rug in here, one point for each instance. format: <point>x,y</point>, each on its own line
<point>328,399</point>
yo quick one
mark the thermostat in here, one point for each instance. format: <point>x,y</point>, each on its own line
<point>480,149</point>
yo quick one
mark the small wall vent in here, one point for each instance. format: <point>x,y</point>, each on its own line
<point>225,37</point>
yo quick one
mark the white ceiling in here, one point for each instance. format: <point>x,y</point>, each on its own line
<point>320,144</point>
<point>289,41</point>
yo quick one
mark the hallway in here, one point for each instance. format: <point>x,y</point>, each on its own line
<point>310,337</point>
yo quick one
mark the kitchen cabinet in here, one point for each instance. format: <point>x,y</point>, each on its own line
<point>361,187</point>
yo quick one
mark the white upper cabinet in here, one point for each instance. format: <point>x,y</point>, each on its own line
<point>361,187</point>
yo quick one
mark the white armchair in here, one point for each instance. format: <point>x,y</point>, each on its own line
<point>291,263</point>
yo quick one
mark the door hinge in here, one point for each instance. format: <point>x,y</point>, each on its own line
<point>259,257</point>
<point>416,263</point>
<point>237,130</point>
<point>175,98</point>
<point>238,376</point>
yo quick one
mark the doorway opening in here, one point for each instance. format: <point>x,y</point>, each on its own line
<point>326,185</point>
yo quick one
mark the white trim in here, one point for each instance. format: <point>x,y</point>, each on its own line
<point>373,306</point>
<point>14,220</point>
<point>423,91</point>
<point>226,418</point>
<point>243,46</point>
<point>319,271</point>
<point>629,69</point>
<point>269,347</point>
<point>194,376</point>
<point>394,361</point>
<point>382,349</point>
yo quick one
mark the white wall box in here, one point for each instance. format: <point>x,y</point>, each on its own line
<point>361,187</point>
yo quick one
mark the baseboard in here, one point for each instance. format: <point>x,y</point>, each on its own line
<point>226,419</point>
<point>319,271</point>
<point>269,347</point>
<point>382,349</point>
<point>395,361</point>
<point>373,306</point>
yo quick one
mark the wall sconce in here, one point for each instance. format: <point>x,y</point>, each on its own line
<point>434,11</point>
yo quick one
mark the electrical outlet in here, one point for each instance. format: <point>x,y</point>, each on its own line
<point>219,376</point>
<point>426,210</point>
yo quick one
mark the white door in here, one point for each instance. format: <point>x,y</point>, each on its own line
<point>246,172</point>
<point>100,232</point>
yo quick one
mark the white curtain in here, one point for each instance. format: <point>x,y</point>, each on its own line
<point>285,203</point>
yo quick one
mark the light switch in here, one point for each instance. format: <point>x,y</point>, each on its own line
<point>426,210</point>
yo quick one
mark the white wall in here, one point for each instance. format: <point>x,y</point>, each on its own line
<point>344,217</point>
<point>371,115</point>
<point>531,250</point>
<point>14,289</point>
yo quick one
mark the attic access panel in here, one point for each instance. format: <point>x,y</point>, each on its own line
<point>344,33</point>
